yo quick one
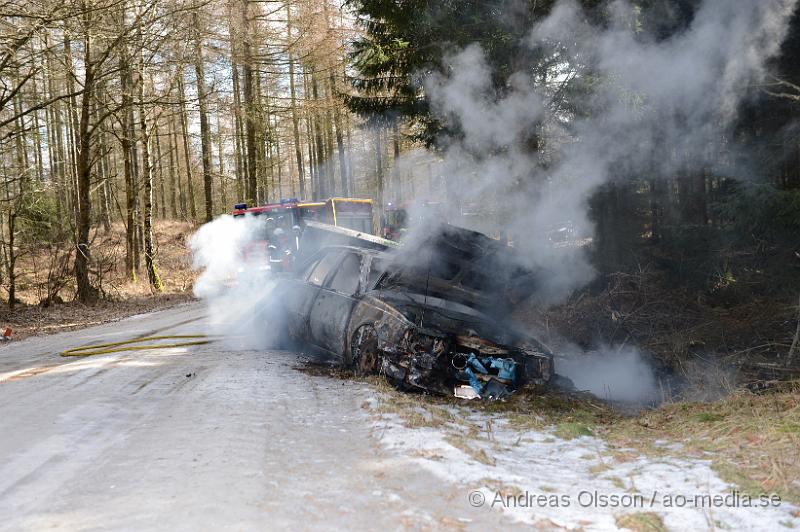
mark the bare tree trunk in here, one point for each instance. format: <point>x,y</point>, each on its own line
<point>162,196</point>
<point>105,217</point>
<point>260,118</point>
<point>176,167</point>
<point>278,155</point>
<point>223,185</point>
<point>186,151</point>
<point>328,134</point>
<point>238,135</point>
<point>171,150</point>
<point>86,293</point>
<point>396,182</point>
<point>102,159</point>
<point>147,170</point>
<point>58,162</point>
<point>241,161</point>
<point>312,161</point>
<point>11,250</point>
<point>205,133</point>
<point>337,122</point>
<point>249,104</point>
<point>37,135</point>
<point>133,206</point>
<point>321,170</point>
<point>128,164</point>
<point>351,191</point>
<point>72,128</point>
<point>337,119</point>
<point>378,170</point>
<point>298,149</point>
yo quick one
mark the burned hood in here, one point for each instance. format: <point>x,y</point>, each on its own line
<point>459,265</point>
<point>438,315</point>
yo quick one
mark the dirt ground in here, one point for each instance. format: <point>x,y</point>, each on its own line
<point>121,296</point>
<point>201,437</point>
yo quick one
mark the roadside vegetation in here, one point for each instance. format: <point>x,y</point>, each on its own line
<point>45,298</point>
<point>750,439</point>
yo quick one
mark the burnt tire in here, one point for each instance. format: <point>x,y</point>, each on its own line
<point>364,354</point>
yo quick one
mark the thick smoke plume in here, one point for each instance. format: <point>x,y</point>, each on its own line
<point>652,108</point>
<point>233,280</point>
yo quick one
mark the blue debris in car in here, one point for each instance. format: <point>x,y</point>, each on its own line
<point>473,380</point>
<point>506,368</point>
<point>473,361</point>
<point>501,370</point>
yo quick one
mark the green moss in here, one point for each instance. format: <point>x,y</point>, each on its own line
<point>641,522</point>
<point>789,427</point>
<point>709,417</point>
<point>572,429</point>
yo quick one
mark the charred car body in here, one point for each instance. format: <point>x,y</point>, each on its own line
<point>431,316</point>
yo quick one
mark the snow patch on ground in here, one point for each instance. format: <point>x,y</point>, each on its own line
<point>540,479</point>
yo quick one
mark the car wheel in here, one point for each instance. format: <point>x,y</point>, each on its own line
<point>364,350</point>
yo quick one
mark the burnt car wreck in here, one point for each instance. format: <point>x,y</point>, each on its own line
<point>431,316</point>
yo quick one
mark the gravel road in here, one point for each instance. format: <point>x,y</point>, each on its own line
<point>200,438</point>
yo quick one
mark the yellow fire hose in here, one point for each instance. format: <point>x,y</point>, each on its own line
<point>129,345</point>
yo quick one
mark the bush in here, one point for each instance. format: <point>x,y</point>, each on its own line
<point>38,219</point>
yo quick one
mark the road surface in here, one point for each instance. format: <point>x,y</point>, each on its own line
<point>199,438</point>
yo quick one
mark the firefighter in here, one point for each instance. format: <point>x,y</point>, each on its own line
<point>270,226</point>
<point>297,231</point>
<point>280,254</point>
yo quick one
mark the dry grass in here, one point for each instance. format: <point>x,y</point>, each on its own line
<point>641,522</point>
<point>463,443</point>
<point>121,296</point>
<point>172,255</point>
<point>710,351</point>
<point>751,439</point>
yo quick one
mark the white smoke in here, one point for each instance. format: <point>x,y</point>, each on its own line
<point>234,281</point>
<point>614,374</point>
<point>653,107</point>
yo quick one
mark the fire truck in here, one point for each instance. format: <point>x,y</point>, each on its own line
<point>396,220</point>
<point>350,213</point>
<point>284,222</point>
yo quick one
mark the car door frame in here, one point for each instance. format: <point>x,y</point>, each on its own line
<point>331,335</point>
<point>307,293</point>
